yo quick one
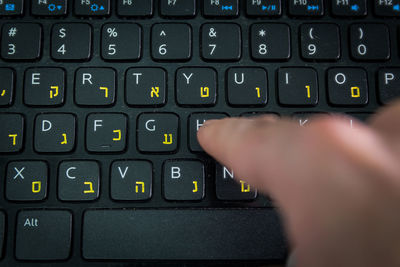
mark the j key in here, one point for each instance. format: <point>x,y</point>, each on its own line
<point>44,86</point>
<point>320,41</point>
<point>106,132</point>
<point>220,8</point>
<point>92,7</point>
<point>49,7</point>
<point>146,86</point>
<point>178,8</point>
<point>21,41</point>
<point>7,83</point>
<point>351,8</point>
<point>196,86</point>
<point>171,41</point>
<point>229,189</point>
<point>11,7</point>
<point>131,8</point>
<point>157,132</point>
<point>26,180</point>
<point>49,231</point>
<point>264,8</point>
<point>306,7</point>
<point>387,8</point>
<point>11,132</point>
<point>183,180</point>
<point>347,86</point>
<point>54,132</point>
<point>2,231</point>
<point>388,84</point>
<point>72,41</point>
<point>298,86</point>
<point>196,120</point>
<point>369,42</point>
<point>131,180</point>
<point>95,86</point>
<point>78,180</point>
<point>221,41</point>
<point>121,41</point>
<point>270,41</point>
<point>247,86</point>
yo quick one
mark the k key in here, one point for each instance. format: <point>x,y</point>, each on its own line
<point>320,41</point>
<point>171,41</point>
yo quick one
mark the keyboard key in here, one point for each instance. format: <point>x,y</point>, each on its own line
<point>95,86</point>
<point>21,41</point>
<point>43,235</point>
<point>71,41</point>
<point>146,86</point>
<point>7,83</point>
<point>2,232</point>
<point>26,180</point>
<point>221,41</point>
<point>49,7</point>
<point>270,41</point>
<point>264,8</point>
<point>388,84</point>
<point>11,7</point>
<point>54,132</point>
<point>171,41</point>
<point>217,8</point>
<point>44,86</point>
<point>247,86</point>
<point>131,180</point>
<point>196,86</point>
<point>132,8</point>
<point>304,118</point>
<point>387,8</point>
<point>183,180</point>
<point>157,132</point>
<point>306,8</point>
<point>320,41</point>
<point>106,132</point>
<point>369,41</point>
<point>298,86</point>
<point>11,132</point>
<point>178,8</point>
<point>359,116</point>
<point>78,180</point>
<point>92,7</point>
<point>351,8</point>
<point>347,86</point>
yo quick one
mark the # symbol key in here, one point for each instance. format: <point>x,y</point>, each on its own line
<point>12,32</point>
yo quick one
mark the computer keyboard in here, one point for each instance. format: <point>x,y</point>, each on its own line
<point>100,102</point>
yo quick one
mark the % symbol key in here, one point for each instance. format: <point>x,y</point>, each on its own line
<point>112,32</point>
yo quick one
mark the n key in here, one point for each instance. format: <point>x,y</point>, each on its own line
<point>11,132</point>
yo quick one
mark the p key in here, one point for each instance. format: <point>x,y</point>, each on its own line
<point>388,84</point>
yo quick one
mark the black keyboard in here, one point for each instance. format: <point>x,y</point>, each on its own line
<point>100,102</point>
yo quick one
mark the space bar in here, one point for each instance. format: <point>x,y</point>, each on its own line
<point>182,234</point>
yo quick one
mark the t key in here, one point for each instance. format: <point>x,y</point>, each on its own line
<point>171,41</point>
<point>320,41</point>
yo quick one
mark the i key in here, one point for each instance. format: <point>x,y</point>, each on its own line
<point>270,41</point>
<point>351,8</point>
<point>11,7</point>
<point>306,7</point>
<point>320,41</point>
<point>7,81</point>
<point>49,7</point>
<point>178,8</point>
<point>388,84</point>
<point>171,41</point>
<point>11,132</point>
<point>92,7</point>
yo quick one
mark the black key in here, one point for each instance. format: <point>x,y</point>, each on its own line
<point>21,41</point>
<point>262,8</point>
<point>26,180</point>
<point>388,84</point>
<point>7,83</point>
<point>270,41</point>
<point>196,120</point>
<point>304,118</point>
<point>349,8</point>
<point>121,41</point>
<point>2,232</point>
<point>106,132</point>
<point>219,8</point>
<point>306,7</point>
<point>54,132</point>
<point>132,8</point>
<point>157,132</point>
<point>298,86</point>
<point>78,180</point>
<point>49,230</point>
<point>92,7</point>
<point>221,41</point>
<point>196,86</point>
<point>171,41</point>
<point>183,180</point>
<point>44,86</point>
<point>369,41</point>
<point>209,234</point>
<point>11,7</point>
<point>258,114</point>
<point>11,132</point>
<point>49,7</point>
<point>247,86</point>
<point>95,86</point>
<point>131,180</point>
<point>71,41</point>
<point>145,86</point>
<point>320,41</point>
<point>387,8</point>
<point>347,86</point>
<point>178,8</point>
